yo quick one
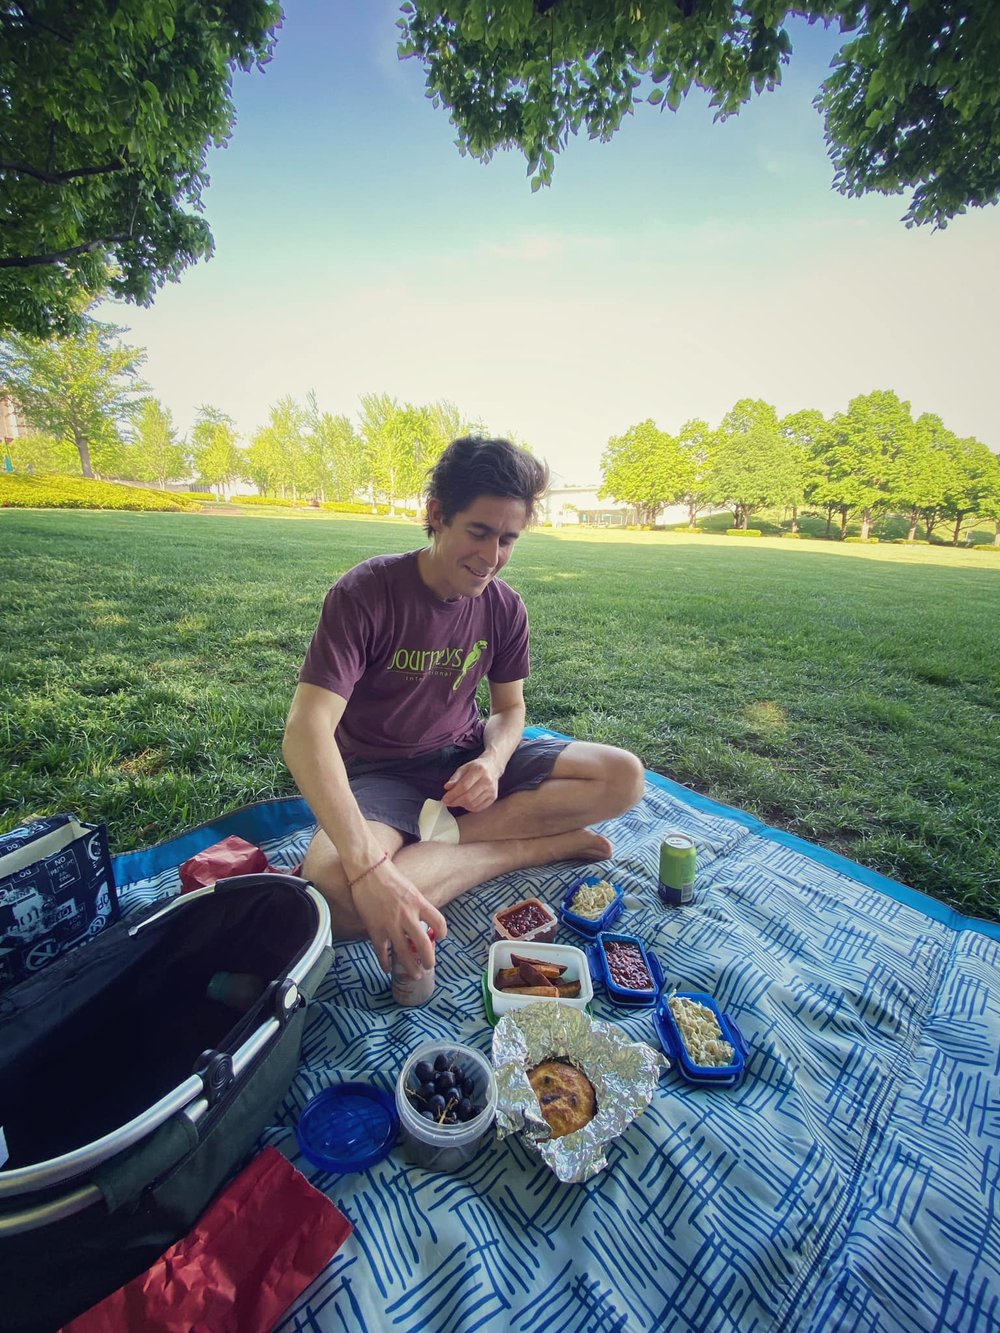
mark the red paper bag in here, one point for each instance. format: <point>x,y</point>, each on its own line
<point>231,856</point>
<point>248,1257</point>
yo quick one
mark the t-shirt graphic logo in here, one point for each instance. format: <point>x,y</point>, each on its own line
<point>471,658</point>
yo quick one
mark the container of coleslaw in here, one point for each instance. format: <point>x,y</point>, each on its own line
<point>705,1044</point>
<point>591,905</point>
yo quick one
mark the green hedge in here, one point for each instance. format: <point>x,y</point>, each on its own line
<point>268,500</point>
<point>869,541</point>
<point>57,492</point>
<point>744,532</point>
<point>792,536</point>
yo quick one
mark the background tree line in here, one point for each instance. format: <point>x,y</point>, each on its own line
<point>92,413</point>
<point>869,461</point>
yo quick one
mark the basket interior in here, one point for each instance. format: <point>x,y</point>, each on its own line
<point>123,1021</point>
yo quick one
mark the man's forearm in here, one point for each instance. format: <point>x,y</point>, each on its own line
<point>502,733</point>
<point>321,777</point>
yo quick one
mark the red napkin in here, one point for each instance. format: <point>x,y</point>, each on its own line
<point>231,856</point>
<point>248,1257</point>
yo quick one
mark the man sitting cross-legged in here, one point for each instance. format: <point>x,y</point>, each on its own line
<point>385,721</point>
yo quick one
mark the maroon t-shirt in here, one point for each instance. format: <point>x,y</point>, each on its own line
<point>407,662</point>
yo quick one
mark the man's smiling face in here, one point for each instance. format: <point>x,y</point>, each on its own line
<point>473,547</point>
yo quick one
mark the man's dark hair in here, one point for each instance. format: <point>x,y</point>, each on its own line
<point>473,466</point>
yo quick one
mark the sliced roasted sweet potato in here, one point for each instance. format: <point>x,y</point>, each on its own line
<point>533,976</point>
<point>547,969</point>
<point>551,992</point>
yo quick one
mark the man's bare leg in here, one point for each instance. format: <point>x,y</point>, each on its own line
<point>441,871</point>
<point>588,783</point>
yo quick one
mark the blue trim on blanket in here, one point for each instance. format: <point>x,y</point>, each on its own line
<point>256,823</point>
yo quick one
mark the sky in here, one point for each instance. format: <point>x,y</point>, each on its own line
<point>667,273</point>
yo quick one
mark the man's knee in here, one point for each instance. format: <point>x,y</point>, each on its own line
<point>625,778</point>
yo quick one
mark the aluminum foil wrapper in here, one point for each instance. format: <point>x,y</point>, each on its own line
<point>624,1074</point>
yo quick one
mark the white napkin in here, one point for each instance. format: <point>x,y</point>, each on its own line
<point>437,823</point>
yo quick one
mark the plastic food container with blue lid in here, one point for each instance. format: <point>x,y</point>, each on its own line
<point>604,969</point>
<point>348,1127</point>
<point>439,1146</point>
<point>586,925</point>
<point>719,1076</point>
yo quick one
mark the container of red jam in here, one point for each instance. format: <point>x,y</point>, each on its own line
<point>527,921</point>
<point>629,972</point>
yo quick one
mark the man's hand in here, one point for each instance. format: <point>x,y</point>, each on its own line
<point>392,910</point>
<point>474,785</point>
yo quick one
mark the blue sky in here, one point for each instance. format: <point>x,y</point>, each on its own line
<point>666,274</point>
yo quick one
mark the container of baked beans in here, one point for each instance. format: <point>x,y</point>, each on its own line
<point>630,973</point>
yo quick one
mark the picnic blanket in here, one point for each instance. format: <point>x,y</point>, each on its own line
<point>850,1182</point>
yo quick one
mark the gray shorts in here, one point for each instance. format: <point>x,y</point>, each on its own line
<point>393,791</point>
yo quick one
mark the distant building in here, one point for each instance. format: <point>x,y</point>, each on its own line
<point>566,506</point>
<point>12,420</point>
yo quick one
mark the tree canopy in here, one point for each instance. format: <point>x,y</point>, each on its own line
<point>84,389</point>
<point>912,102</point>
<point>106,116</point>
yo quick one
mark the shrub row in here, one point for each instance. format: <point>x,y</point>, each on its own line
<point>744,532</point>
<point>869,541</point>
<point>56,492</point>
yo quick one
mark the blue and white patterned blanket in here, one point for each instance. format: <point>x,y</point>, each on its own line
<point>851,1182</point>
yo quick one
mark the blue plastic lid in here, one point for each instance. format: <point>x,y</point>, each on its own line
<point>348,1127</point>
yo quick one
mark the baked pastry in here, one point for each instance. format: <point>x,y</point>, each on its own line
<point>565,1095</point>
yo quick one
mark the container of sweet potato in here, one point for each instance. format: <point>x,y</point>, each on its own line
<point>520,974</point>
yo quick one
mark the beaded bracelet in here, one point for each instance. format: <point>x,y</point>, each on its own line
<point>358,878</point>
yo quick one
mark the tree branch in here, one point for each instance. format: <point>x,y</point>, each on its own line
<point>32,261</point>
<point>61,177</point>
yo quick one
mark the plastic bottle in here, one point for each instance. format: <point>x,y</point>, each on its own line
<point>236,990</point>
<point>412,991</point>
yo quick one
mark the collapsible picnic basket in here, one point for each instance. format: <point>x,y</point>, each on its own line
<point>129,1095</point>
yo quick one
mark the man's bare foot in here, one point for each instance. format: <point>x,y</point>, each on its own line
<point>578,845</point>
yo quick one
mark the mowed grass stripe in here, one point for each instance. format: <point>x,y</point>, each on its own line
<point>846,693</point>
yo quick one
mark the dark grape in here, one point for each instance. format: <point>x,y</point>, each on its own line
<point>428,1089</point>
<point>436,1104</point>
<point>423,1072</point>
<point>441,1062</point>
<point>444,1081</point>
<point>468,1087</point>
<point>429,1115</point>
<point>464,1109</point>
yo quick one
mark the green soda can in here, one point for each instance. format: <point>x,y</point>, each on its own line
<point>677,869</point>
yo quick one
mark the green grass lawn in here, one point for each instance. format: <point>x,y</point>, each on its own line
<point>846,693</point>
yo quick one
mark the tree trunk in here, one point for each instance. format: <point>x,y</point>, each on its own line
<point>996,535</point>
<point>913,529</point>
<point>83,449</point>
<point>958,529</point>
<point>795,518</point>
<point>843,522</point>
<point>866,524</point>
<point>829,518</point>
